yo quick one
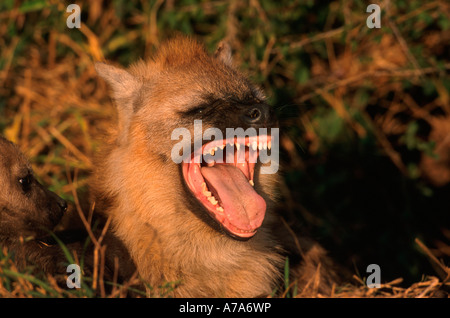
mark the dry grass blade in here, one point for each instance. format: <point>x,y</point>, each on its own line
<point>442,270</point>
<point>70,146</point>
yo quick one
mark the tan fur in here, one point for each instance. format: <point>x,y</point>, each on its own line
<point>137,183</point>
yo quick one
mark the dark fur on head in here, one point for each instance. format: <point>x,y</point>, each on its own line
<point>28,214</point>
<point>26,207</point>
<point>28,210</point>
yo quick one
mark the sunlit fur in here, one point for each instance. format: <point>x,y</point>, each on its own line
<point>142,189</point>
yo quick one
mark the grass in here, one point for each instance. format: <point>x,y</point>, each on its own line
<point>26,284</point>
<point>364,116</point>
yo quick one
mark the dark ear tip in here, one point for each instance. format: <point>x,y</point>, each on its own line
<point>223,52</point>
<point>223,49</point>
<point>223,45</point>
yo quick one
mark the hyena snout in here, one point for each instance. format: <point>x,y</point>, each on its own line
<point>62,204</point>
<point>258,115</point>
<point>57,206</point>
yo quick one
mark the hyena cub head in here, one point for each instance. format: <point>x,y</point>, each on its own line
<point>215,161</point>
<point>26,207</point>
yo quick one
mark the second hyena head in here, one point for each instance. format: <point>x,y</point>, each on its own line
<point>27,208</point>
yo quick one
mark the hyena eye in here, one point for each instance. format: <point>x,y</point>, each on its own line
<point>25,182</point>
<point>200,110</point>
<point>196,111</point>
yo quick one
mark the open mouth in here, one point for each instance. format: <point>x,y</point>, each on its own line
<point>221,177</point>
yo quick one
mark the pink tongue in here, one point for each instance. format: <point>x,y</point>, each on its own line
<point>244,208</point>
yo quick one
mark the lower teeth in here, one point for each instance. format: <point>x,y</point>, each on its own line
<point>212,200</point>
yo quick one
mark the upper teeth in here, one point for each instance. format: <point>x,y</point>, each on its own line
<point>255,145</point>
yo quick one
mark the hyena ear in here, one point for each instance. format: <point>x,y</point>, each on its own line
<point>223,53</point>
<point>122,83</point>
<point>124,87</point>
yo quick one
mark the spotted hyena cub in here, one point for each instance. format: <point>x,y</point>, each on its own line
<point>28,214</point>
<point>28,211</point>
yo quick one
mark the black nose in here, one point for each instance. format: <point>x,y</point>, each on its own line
<point>258,114</point>
<point>62,204</point>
